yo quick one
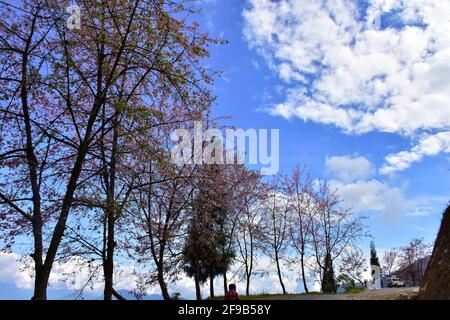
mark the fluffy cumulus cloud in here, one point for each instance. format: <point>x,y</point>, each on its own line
<point>353,177</point>
<point>73,275</point>
<point>12,271</point>
<point>427,146</point>
<point>374,196</point>
<point>384,66</point>
<point>348,169</point>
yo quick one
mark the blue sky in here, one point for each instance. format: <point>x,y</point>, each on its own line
<point>361,104</point>
<point>407,203</point>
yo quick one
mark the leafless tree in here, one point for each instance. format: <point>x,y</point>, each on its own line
<point>412,257</point>
<point>275,227</point>
<point>353,264</point>
<point>334,230</point>
<point>249,235</point>
<point>302,205</point>
<point>390,261</point>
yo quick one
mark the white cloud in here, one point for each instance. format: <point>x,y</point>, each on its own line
<point>372,196</point>
<point>422,211</point>
<point>348,169</point>
<point>11,271</point>
<point>73,274</point>
<point>255,64</point>
<point>427,146</point>
<point>343,72</point>
<point>269,282</point>
<point>353,178</point>
<point>360,190</point>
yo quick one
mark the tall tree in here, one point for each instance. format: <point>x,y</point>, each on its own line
<point>353,264</point>
<point>275,227</point>
<point>67,91</point>
<point>334,230</point>
<point>412,264</point>
<point>299,189</point>
<point>242,188</point>
<point>28,117</point>
<point>203,253</point>
<point>390,261</point>
<point>248,237</point>
<point>374,261</point>
<point>157,218</point>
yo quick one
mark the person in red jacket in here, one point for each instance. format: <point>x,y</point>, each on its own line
<point>231,294</point>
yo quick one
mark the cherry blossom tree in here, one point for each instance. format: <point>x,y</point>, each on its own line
<point>299,189</point>
<point>334,230</point>
<point>275,227</point>
<point>412,260</point>
<point>249,232</point>
<point>390,261</point>
<point>67,95</point>
<point>353,264</point>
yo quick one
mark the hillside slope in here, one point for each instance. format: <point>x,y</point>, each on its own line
<point>436,282</point>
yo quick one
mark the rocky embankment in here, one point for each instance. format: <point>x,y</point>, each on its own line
<point>436,282</point>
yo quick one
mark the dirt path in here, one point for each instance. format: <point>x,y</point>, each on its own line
<point>382,294</point>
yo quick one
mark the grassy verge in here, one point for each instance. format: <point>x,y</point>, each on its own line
<point>280,296</point>
<point>355,290</point>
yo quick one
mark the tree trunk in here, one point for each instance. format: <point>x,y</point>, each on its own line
<point>159,261</point>
<point>302,262</point>
<point>117,295</point>
<point>211,285</point>
<point>163,285</point>
<point>328,283</point>
<point>279,273</point>
<point>198,292</point>
<point>109,262</point>
<point>58,231</point>
<point>249,268</point>
<point>225,283</point>
<point>40,280</point>
<point>164,290</point>
<point>110,212</point>
<point>40,284</point>
<point>247,286</point>
<point>41,276</point>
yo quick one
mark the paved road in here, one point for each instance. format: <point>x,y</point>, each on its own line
<point>382,294</point>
